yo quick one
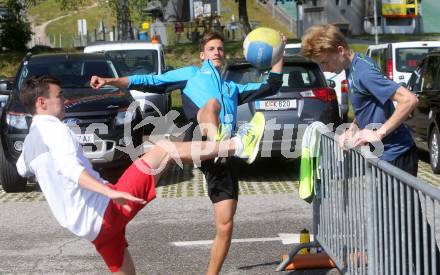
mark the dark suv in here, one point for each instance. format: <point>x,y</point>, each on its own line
<point>303,98</point>
<point>96,116</point>
<point>424,122</point>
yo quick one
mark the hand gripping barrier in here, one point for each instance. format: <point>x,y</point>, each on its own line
<point>371,217</point>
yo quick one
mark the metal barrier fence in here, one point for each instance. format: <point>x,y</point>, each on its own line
<point>371,217</point>
<point>170,33</point>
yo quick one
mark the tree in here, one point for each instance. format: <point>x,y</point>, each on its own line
<point>123,18</point>
<point>15,30</point>
<point>243,16</point>
<point>122,8</point>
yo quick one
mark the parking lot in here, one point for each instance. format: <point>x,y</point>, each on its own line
<point>266,176</point>
<point>173,234</point>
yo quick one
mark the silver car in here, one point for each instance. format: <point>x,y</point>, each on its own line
<point>303,98</point>
<point>337,81</point>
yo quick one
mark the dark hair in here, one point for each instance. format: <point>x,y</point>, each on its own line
<point>210,35</point>
<point>35,87</point>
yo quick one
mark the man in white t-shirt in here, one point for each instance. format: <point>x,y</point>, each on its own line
<point>78,197</point>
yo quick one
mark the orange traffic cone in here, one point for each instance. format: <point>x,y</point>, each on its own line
<point>309,261</point>
<point>155,39</point>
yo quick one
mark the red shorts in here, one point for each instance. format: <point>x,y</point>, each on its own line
<point>111,242</point>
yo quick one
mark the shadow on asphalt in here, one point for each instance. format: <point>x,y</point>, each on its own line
<point>262,170</point>
<point>269,169</point>
<point>423,155</point>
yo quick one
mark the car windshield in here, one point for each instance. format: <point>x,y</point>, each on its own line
<point>294,76</point>
<point>71,73</point>
<point>407,58</point>
<point>130,62</point>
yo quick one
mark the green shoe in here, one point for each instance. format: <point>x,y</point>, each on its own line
<point>223,132</point>
<point>250,135</point>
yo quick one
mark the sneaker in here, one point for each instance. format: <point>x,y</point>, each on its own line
<point>223,132</point>
<point>250,135</point>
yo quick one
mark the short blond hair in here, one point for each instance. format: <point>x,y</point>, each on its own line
<point>322,39</point>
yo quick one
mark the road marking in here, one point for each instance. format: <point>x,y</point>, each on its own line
<point>285,238</point>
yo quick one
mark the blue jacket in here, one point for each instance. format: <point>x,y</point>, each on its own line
<point>199,84</point>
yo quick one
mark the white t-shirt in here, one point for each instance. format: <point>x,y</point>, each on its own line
<point>52,153</point>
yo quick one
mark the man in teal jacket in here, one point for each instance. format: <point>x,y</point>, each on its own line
<point>212,102</point>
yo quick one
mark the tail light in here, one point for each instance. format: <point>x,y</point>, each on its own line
<point>323,94</point>
<point>344,86</point>
<point>390,68</point>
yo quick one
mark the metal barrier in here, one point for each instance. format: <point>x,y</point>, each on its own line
<point>371,217</point>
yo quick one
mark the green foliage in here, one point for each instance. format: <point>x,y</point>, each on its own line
<point>9,63</point>
<point>70,4</point>
<point>15,29</point>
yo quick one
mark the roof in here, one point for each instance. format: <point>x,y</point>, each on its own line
<point>67,56</point>
<point>122,45</point>
<point>293,58</point>
<point>407,44</point>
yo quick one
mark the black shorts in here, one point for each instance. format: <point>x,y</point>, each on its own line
<point>221,176</point>
<point>408,161</point>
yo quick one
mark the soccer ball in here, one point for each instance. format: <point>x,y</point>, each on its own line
<point>262,47</point>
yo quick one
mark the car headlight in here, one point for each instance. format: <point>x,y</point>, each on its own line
<point>17,120</point>
<point>124,116</point>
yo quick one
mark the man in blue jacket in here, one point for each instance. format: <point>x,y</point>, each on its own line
<point>211,102</point>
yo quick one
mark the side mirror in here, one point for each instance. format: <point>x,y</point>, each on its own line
<point>331,83</point>
<point>5,87</point>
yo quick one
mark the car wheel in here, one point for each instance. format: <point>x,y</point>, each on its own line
<point>434,143</point>
<point>10,179</point>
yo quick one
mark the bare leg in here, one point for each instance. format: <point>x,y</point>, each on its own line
<point>127,267</point>
<point>165,151</point>
<point>224,223</point>
<point>207,117</point>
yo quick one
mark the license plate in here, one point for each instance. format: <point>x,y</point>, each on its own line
<point>283,104</point>
<point>86,138</point>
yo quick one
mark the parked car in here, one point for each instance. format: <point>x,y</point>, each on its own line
<point>398,60</point>
<point>5,87</point>
<point>97,116</point>
<point>424,122</point>
<point>337,81</point>
<point>138,57</point>
<point>304,97</point>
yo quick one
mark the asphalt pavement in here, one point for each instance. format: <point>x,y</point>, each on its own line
<point>172,235</point>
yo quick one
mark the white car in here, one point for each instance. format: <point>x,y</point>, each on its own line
<point>398,60</point>
<point>336,81</point>
<point>138,57</point>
